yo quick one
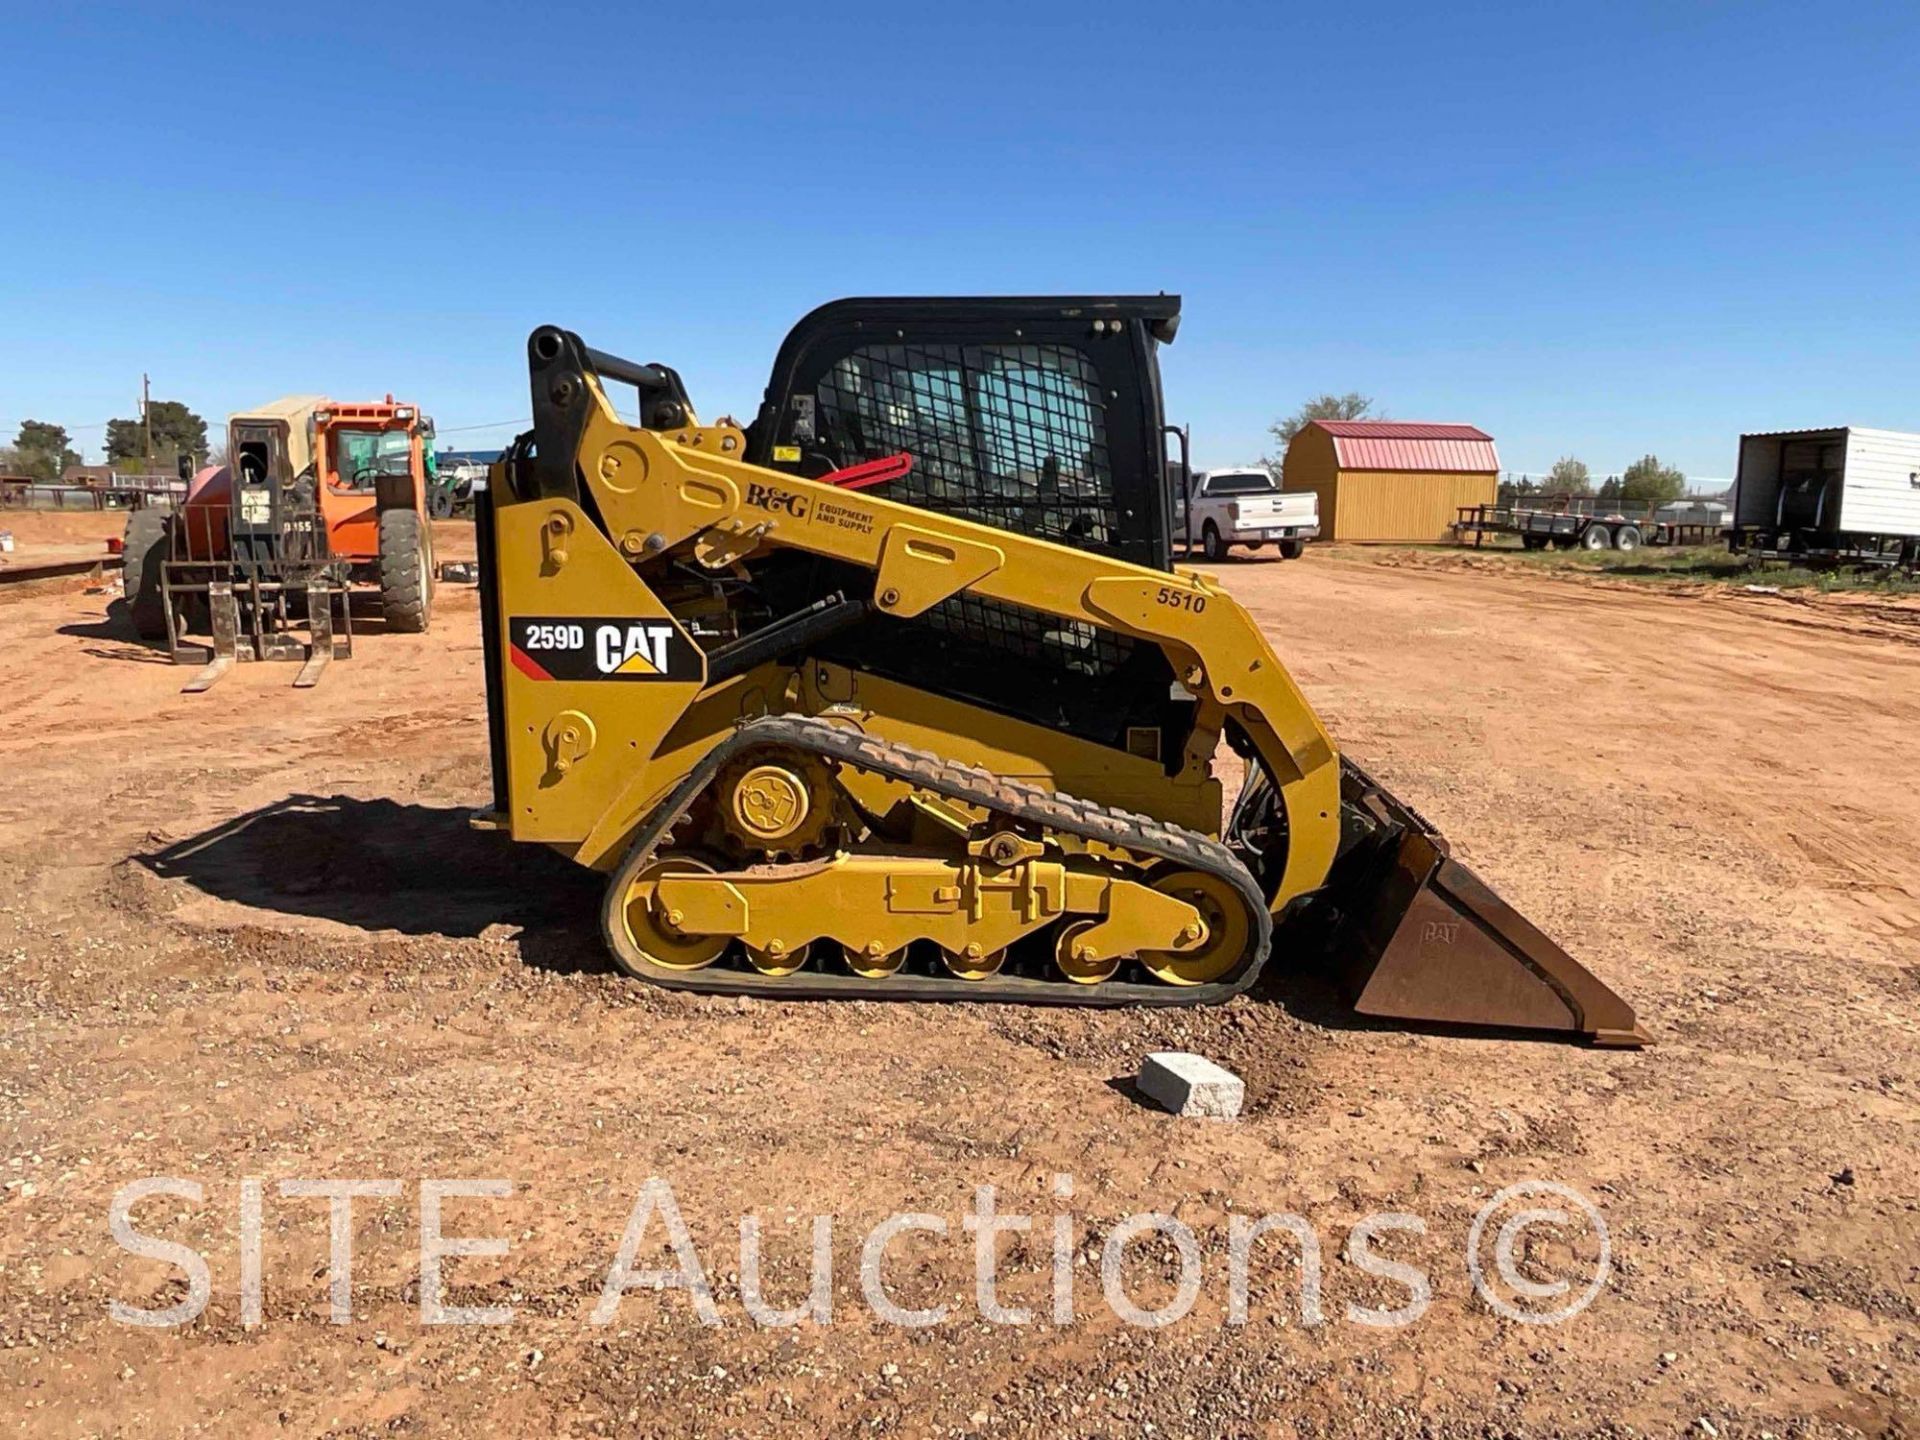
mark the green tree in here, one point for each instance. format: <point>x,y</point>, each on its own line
<point>1569,477</point>
<point>176,429</point>
<point>1610,491</point>
<point>42,450</point>
<point>1350,406</point>
<point>1647,479</point>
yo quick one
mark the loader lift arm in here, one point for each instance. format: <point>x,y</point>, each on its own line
<point>593,517</point>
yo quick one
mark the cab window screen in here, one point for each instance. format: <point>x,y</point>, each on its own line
<point>1013,436</point>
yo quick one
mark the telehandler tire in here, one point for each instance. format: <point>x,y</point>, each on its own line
<point>406,572</point>
<point>149,542</point>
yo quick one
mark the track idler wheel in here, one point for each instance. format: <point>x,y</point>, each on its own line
<point>1224,913</point>
<point>653,933</point>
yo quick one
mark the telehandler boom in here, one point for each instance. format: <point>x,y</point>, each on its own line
<point>896,693</point>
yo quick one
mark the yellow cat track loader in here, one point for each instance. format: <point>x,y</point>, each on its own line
<point>896,693</point>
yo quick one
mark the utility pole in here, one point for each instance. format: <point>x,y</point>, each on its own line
<point>146,418</point>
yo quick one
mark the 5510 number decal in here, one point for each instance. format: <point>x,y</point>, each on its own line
<point>1189,600</point>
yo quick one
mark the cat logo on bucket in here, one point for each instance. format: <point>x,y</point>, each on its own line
<point>602,648</point>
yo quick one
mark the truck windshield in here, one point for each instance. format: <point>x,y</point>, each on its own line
<point>360,456</point>
<point>1256,482</point>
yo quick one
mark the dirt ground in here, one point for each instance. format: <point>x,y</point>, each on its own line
<point>40,536</point>
<point>249,934</point>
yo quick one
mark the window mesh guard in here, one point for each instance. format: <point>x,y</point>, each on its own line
<point>1012,436</point>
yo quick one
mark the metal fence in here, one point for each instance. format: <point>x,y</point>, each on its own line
<point>128,492</point>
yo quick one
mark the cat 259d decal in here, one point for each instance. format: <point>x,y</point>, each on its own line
<point>579,647</point>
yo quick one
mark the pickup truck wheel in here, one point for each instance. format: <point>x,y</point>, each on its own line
<point>1255,544</point>
<point>1292,549</point>
<point>1211,545</point>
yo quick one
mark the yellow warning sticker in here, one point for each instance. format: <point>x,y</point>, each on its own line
<point>786,454</point>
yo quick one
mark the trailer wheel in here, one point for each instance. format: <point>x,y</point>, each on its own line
<point>406,572</point>
<point>1627,537</point>
<point>1211,545</point>
<point>1292,549</point>
<point>1534,542</point>
<point>149,541</point>
<point>1596,537</point>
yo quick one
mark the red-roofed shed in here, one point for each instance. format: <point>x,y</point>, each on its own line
<point>1392,480</point>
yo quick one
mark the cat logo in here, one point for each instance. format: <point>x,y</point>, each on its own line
<point>580,647</point>
<point>772,497</point>
<point>634,650</point>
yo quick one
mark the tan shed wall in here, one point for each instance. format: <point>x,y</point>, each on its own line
<point>1381,505</point>
<point>1404,506</point>
<point>1310,466</point>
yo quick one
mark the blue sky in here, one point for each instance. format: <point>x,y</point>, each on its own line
<point>1596,230</point>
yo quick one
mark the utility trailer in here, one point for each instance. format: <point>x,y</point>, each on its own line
<point>1563,524</point>
<point>1844,496</point>
<point>1570,530</point>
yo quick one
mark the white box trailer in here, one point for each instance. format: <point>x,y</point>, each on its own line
<point>1845,496</point>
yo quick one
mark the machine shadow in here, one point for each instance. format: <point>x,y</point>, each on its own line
<point>383,865</point>
<point>117,627</point>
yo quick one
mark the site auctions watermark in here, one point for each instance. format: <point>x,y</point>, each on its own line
<point>1571,1223</point>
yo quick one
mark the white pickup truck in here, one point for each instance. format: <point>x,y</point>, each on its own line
<point>1246,507</point>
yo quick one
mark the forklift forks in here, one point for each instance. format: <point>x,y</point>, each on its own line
<point>232,639</point>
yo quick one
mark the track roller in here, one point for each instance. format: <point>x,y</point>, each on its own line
<point>973,963</point>
<point>1082,970</point>
<point>777,960</point>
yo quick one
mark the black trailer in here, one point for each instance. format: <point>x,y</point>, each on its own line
<point>1576,523</point>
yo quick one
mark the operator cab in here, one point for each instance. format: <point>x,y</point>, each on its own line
<point>1038,415</point>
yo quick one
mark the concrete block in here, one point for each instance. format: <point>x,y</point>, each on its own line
<point>1191,1085</point>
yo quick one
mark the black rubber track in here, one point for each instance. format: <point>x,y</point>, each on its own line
<point>1050,808</point>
